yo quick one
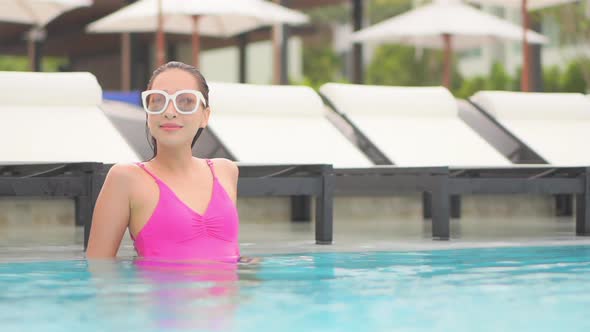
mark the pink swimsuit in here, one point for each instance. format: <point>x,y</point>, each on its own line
<point>177,232</point>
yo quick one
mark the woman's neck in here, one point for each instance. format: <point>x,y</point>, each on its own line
<point>174,160</point>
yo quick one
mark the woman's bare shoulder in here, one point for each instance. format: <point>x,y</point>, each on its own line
<point>225,164</point>
<point>226,168</point>
<point>124,173</point>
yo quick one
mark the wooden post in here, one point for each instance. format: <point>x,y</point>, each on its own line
<point>160,38</point>
<point>126,62</point>
<point>448,53</point>
<point>196,40</point>
<point>526,51</point>
<point>357,48</point>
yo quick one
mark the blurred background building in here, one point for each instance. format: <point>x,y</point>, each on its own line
<point>320,51</point>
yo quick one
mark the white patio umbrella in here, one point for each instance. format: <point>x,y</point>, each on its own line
<point>525,6</point>
<point>36,13</point>
<point>447,24</point>
<point>218,18</point>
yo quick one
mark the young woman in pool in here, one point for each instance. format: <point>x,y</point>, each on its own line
<point>177,207</point>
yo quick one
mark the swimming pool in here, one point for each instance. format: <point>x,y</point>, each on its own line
<point>485,289</point>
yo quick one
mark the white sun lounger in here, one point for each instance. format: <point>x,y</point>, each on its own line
<point>556,126</point>
<point>55,138</point>
<point>55,118</point>
<point>278,124</point>
<point>413,126</point>
<point>422,127</point>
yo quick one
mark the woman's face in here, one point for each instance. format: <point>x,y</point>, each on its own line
<point>171,128</point>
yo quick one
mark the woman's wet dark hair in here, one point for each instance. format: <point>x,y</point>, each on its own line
<point>203,87</point>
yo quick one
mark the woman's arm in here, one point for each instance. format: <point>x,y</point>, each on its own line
<point>230,176</point>
<point>111,214</point>
<point>228,173</point>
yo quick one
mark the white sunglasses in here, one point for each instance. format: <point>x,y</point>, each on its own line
<point>185,101</point>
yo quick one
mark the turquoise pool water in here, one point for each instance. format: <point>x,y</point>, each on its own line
<point>496,289</point>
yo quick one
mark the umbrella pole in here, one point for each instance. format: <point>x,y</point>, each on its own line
<point>126,61</point>
<point>280,40</point>
<point>32,54</point>
<point>160,38</point>
<point>357,48</point>
<point>526,68</point>
<point>34,36</point>
<point>35,40</point>
<point>448,58</point>
<point>196,40</point>
<point>277,39</point>
<point>242,53</point>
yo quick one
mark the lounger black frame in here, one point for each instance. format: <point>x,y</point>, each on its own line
<point>73,180</point>
<point>442,184</point>
<point>528,180</point>
<point>509,180</point>
<point>388,181</point>
<point>294,181</point>
<point>563,202</point>
<point>83,181</point>
<point>372,181</point>
<point>394,180</point>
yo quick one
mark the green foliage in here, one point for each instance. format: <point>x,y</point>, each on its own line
<point>326,14</point>
<point>517,79</point>
<point>21,63</point>
<point>13,63</point>
<point>379,10</point>
<point>551,79</point>
<point>572,79</point>
<point>574,27</point>
<point>499,78</point>
<point>470,86</point>
<point>397,65</point>
<point>555,80</point>
<point>401,65</point>
<point>320,65</point>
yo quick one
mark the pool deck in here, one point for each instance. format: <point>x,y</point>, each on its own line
<point>53,242</point>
